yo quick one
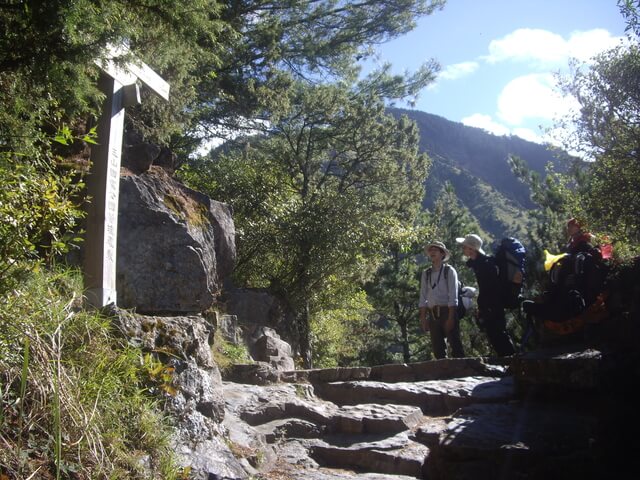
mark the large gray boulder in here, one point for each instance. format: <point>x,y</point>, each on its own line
<point>175,245</point>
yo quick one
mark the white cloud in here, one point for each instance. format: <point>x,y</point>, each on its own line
<point>527,44</point>
<point>453,72</point>
<point>585,45</point>
<point>485,122</point>
<point>535,96</point>
<point>458,70</point>
<point>547,49</point>
<point>532,96</point>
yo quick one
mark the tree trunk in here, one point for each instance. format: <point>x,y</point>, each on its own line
<point>404,330</point>
<point>304,339</point>
<point>406,353</point>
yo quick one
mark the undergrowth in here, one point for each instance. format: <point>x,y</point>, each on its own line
<point>226,354</point>
<point>72,401</point>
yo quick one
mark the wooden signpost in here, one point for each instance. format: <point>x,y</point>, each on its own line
<point>120,85</point>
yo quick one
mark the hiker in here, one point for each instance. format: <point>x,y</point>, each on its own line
<point>580,241</point>
<point>438,302</point>
<point>490,304</point>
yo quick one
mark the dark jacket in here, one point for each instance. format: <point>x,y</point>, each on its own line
<point>486,270</point>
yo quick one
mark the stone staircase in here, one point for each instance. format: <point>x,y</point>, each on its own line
<point>543,415</point>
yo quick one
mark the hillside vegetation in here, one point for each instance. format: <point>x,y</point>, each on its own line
<point>476,163</point>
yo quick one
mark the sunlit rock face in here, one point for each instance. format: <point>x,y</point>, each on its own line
<point>175,245</point>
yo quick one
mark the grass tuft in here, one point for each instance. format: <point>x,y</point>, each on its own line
<point>72,396</point>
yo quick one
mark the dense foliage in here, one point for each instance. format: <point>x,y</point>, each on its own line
<point>73,398</point>
<point>608,130</point>
<point>228,64</point>
<point>36,213</point>
<point>318,196</point>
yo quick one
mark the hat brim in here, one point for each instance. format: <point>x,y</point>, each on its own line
<point>447,253</point>
<point>461,240</point>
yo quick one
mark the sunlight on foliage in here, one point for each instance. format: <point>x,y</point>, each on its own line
<point>66,137</point>
<point>338,331</point>
<point>37,215</point>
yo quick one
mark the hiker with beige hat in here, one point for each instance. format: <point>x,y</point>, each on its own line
<point>438,302</point>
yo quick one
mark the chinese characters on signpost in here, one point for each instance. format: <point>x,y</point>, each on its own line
<point>120,85</point>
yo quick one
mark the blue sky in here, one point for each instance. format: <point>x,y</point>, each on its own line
<point>498,58</point>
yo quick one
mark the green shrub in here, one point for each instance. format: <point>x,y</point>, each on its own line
<point>37,215</point>
<point>340,332</point>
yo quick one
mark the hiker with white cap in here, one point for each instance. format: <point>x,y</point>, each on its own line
<point>490,305</point>
<point>438,302</point>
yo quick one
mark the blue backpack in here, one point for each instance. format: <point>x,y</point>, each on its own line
<point>510,257</point>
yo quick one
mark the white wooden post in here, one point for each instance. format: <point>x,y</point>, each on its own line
<point>119,83</point>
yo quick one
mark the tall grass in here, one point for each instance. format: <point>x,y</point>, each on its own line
<point>72,400</point>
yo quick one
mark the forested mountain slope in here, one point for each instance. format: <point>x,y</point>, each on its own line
<point>476,164</point>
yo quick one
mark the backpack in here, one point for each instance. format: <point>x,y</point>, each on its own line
<point>461,309</point>
<point>581,274</point>
<point>510,259</point>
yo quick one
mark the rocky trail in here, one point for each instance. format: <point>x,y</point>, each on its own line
<point>540,415</point>
<point>551,414</point>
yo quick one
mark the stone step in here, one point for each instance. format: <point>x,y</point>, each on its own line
<point>562,372</point>
<point>294,463</point>
<point>351,419</point>
<point>331,474</point>
<point>291,411</point>
<point>397,455</point>
<point>434,398</point>
<point>555,415</point>
<point>515,440</point>
<point>415,372</point>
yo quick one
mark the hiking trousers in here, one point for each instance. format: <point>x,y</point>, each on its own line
<point>495,324</point>
<point>437,319</point>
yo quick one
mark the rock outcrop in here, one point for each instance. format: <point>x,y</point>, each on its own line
<point>184,374</point>
<point>255,309</point>
<point>175,245</point>
<point>265,345</point>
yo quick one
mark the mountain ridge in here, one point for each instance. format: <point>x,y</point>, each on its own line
<point>475,163</point>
